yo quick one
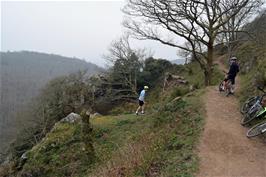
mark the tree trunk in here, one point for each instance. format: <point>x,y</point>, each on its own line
<point>208,77</point>
<point>229,50</point>
<point>208,69</point>
<point>135,82</point>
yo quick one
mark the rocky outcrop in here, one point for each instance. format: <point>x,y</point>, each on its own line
<point>173,80</point>
<point>71,118</point>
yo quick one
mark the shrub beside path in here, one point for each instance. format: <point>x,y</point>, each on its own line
<point>224,149</point>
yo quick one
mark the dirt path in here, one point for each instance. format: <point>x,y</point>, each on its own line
<point>224,150</point>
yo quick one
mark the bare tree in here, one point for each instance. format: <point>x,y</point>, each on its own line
<point>235,25</point>
<point>258,29</point>
<point>125,61</point>
<point>119,49</point>
<point>198,22</point>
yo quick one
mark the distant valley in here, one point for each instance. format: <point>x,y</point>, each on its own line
<point>23,74</point>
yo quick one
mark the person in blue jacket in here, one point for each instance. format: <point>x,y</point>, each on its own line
<point>141,100</point>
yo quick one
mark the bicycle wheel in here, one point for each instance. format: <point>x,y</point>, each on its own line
<point>251,114</point>
<point>248,104</point>
<point>247,119</point>
<point>257,130</point>
<point>221,86</point>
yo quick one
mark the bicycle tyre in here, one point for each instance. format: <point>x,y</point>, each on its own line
<point>248,118</point>
<point>220,88</point>
<point>248,104</point>
<point>257,130</point>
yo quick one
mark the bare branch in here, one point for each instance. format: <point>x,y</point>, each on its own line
<point>199,22</point>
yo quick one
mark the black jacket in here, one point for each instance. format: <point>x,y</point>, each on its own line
<point>234,69</point>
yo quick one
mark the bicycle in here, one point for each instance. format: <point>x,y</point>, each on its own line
<point>251,101</point>
<point>257,130</point>
<point>227,87</point>
<point>254,109</point>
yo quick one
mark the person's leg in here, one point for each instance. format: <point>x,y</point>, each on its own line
<point>233,85</point>
<point>141,103</point>
<point>232,88</point>
<point>142,108</point>
<point>138,110</point>
<point>224,84</point>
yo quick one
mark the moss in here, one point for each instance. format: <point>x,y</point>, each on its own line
<point>58,153</point>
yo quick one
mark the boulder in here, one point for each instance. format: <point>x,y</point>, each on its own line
<point>71,118</point>
<point>96,115</point>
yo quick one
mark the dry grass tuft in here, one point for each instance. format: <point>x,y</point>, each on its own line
<point>127,158</point>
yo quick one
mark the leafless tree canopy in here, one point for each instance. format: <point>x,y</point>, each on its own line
<point>234,26</point>
<point>126,63</point>
<point>198,22</point>
<point>119,49</point>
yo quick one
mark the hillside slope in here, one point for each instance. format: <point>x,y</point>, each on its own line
<point>23,74</point>
<point>160,143</point>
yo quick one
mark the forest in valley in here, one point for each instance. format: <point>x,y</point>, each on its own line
<point>23,74</point>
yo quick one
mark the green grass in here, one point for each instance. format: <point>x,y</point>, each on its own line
<point>163,141</point>
<point>176,155</point>
<point>59,154</point>
<point>167,145</point>
<point>133,145</point>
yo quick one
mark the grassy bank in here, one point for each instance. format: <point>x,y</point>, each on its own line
<point>160,143</point>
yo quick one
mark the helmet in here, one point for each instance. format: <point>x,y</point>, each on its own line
<point>146,87</point>
<point>233,58</point>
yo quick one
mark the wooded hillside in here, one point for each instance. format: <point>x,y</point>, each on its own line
<point>22,76</point>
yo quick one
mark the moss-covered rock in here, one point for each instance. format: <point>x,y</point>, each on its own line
<point>58,154</point>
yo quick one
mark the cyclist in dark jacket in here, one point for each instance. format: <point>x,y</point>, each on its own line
<point>233,70</point>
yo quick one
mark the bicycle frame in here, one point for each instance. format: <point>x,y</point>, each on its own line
<point>228,85</point>
<point>261,112</point>
<point>256,111</point>
<point>255,107</point>
<point>258,100</point>
<point>225,86</point>
<point>263,130</point>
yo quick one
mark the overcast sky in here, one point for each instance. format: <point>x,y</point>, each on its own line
<point>73,29</point>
